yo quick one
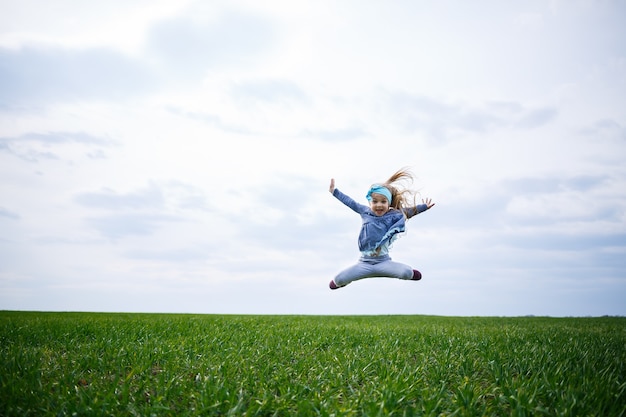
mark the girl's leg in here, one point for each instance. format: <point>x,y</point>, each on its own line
<point>393,269</point>
<point>354,273</point>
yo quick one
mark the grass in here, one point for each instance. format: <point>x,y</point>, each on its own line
<point>55,364</point>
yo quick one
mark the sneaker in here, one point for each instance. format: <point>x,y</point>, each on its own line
<point>332,285</point>
<point>417,275</point>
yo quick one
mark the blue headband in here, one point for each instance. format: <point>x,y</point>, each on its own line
<point>379,189</point>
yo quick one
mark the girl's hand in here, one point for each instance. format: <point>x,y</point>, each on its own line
<point>332,185</point>
<point>429,203</point>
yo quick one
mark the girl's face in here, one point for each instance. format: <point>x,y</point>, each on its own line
<point>379,204</point>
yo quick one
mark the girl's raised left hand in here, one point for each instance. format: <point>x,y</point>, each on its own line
<point>429,203</point>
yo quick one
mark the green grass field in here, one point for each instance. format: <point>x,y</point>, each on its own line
<point>184,365</point>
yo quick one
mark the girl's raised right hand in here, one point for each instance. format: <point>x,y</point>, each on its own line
<point>332,185</point>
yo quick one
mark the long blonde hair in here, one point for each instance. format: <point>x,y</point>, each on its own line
<point>401,196</point>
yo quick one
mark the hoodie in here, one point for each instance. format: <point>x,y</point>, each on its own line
<point>378,232</point>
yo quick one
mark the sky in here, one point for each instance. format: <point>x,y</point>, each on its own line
<point>175,156</point>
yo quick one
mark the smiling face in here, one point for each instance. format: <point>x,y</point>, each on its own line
<point>379,204</point>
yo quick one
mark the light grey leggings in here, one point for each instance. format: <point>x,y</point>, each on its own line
<point>369,267</point>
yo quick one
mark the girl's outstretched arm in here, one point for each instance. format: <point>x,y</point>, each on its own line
<point>420,208</point>
<point>347,200</point>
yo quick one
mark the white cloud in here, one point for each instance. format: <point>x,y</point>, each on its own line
<point>186,47</point>
<point>36,74</point>
<point>76,25</point>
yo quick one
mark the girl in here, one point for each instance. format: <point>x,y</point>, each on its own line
<point>389,208</point>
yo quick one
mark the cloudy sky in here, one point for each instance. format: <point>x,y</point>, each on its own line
<point>175,156</point>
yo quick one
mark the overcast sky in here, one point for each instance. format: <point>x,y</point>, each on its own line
<point>175,156</point>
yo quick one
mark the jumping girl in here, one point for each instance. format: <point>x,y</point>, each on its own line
<point>384,218</point>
